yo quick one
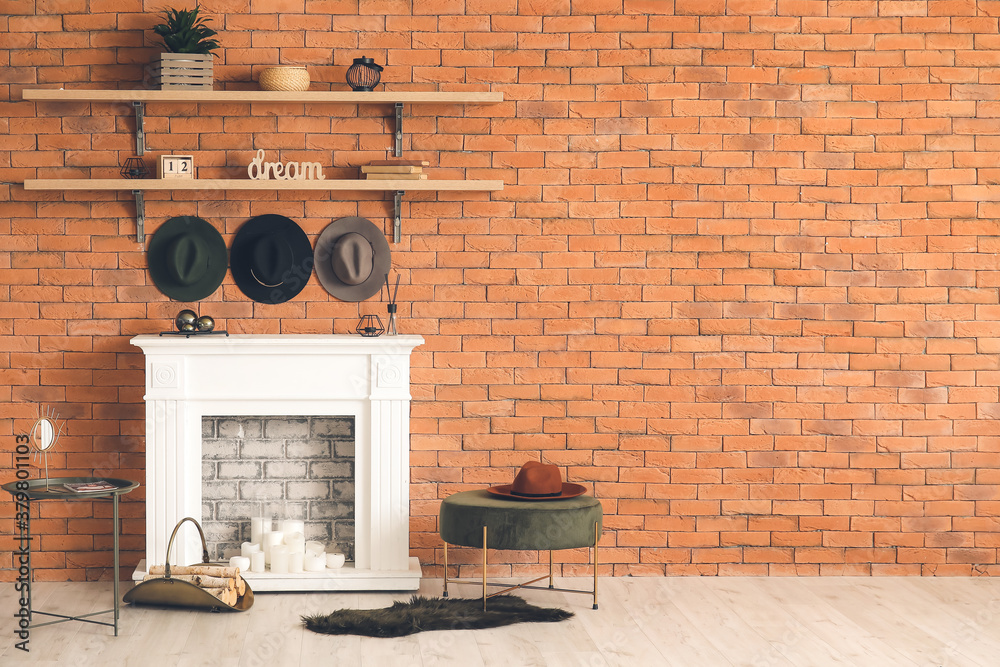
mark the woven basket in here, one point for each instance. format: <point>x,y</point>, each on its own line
<point>284,78</point>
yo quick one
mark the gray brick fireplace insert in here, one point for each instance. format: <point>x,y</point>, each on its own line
<point>292,467</point>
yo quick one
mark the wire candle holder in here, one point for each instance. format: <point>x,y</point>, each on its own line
<point>134,167</point>
<point>370,326</point>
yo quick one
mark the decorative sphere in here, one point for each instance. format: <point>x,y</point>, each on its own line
<point>205,323</point>
<point>187,326</point>
<point>186,317</point>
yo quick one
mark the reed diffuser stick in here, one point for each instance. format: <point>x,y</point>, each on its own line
<point>391,308</point>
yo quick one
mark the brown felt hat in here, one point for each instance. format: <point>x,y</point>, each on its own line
<point>352,259</point>
<point>538,481</point>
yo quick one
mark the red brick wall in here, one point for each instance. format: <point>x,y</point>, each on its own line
<point>743,277</point>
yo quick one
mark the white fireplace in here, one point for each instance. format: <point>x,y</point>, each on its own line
<point>294,375</point>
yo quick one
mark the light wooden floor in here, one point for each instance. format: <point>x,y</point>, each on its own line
<point>687,622</point>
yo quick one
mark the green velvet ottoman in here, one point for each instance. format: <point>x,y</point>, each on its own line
<point>480,519</point>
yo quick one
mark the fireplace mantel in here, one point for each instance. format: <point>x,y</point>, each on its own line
<point>293,375</point>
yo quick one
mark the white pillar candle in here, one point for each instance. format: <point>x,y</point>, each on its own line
<point>257,561</point>
<point>265,544</point>
<point>293,526</point>
<point>242,562</point>
<point>258,526</point>
<point>335,560</point>
<point>247,548</point>
<point>296,543</point>
<point>314,563</point>
<point>296,562</point>
<point>279,559</point>
<point>272,539</point>
<point>315,548</point>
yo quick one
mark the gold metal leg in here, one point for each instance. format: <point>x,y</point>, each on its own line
<point>527,584</point>
<point>597,539</point>
<point>484,568</point>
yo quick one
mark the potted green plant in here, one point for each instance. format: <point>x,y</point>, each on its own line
<point>188,41</point>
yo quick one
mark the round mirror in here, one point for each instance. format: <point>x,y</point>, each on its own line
<point>43,434</point>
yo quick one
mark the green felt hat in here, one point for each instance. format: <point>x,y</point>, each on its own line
<point>187,258</point>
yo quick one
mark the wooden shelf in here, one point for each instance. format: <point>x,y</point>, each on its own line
<point>141,185</point>
<point>147,184</point>
<point>346,96</point>
<point>138,99</point>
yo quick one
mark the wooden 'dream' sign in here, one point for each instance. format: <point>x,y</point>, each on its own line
<point>259,170</point>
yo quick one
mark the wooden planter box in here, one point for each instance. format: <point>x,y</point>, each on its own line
<point>182,70</point>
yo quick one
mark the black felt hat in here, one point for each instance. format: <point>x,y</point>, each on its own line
<point>187,258</point>
<point>352,259</point>
<point>271,258</point>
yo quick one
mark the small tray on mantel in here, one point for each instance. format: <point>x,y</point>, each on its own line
<point>188,334</point>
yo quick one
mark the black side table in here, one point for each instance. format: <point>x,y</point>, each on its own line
<point>53,489</point>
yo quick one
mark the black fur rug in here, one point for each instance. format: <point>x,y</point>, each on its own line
<point>420,614</point>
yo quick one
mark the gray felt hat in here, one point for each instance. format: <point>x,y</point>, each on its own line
<point>352,259</point>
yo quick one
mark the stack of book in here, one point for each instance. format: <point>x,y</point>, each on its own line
<point>396,169</point>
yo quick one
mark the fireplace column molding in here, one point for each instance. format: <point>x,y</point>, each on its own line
<point>284,375</point>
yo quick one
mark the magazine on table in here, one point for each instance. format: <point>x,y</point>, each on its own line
<point>90,487</point>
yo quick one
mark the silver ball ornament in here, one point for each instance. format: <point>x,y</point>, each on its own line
<point>186,317</point>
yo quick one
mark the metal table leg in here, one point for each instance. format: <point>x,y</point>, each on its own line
<point>114,498</point>
<point>31,574</point>
<point>83,617</point>
<point>506,588</point>
<point>445,594</point>
<point>597,559</point>
<point>484,569</point>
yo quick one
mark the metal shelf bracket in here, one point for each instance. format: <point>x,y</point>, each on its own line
<point>140,136</point>
<point>397,223</point>
<point>397,148</point>
<point>140,217</point>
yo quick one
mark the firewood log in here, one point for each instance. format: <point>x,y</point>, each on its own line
<point>201,580</point>
<point>210,570</point>
<point>224,595</point>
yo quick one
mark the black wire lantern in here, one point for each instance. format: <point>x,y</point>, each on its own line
<point>370,326</point>
<point>134,167</point>
<point>364,74</point>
